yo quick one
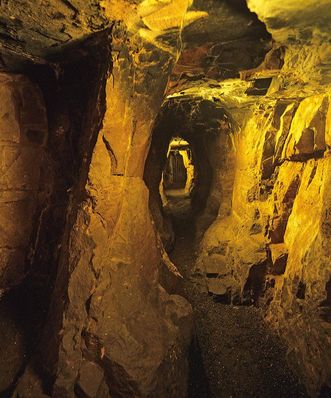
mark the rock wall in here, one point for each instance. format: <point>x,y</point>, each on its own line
<point>220,152</point>
<point>109,316</point>
<point>23,137</point>
<point>274,248</point>
<point>112,330</point>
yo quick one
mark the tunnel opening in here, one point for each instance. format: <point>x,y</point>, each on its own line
<point>191,144</point>
<point>177,182</point>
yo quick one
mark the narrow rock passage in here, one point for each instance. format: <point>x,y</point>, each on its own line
<point>234,353</point>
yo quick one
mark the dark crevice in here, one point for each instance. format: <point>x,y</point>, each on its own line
<point>75,112</point>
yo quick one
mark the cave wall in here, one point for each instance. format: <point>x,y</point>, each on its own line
<point>50,108</point>
<point>270,182</point>
<point>274,248</point>
<point>23,193</point>
<point>111,328</point>
<point>114,320</point>
<point>219,149</point>
<point>23,137</point>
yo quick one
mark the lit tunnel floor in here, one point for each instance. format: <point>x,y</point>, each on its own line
<point>234,354</point>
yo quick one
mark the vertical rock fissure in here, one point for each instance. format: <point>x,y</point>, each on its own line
<point>70,124</point>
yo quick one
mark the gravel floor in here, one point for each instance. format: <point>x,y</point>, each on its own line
<point>234,353</point>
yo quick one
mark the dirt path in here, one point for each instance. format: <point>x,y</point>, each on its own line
<point>235,354</point>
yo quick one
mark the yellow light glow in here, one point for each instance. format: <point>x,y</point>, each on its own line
<point>156,16</point>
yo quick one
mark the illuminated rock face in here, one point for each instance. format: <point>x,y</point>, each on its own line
<point>274,248</point>
<point>116,318</point>
<point>109,316</point>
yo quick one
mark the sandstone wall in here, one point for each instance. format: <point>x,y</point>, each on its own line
<point>274,247</point>
<point>220,152</point>
<point>114,321</point>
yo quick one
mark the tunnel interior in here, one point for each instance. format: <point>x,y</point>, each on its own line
<point>177,173</point>
<point>204,128</point>
<point>165,222</point>
<point>177,180</point>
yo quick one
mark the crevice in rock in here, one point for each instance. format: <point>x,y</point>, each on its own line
<point>74,113</point>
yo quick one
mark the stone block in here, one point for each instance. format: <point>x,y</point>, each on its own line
<point>305,144</point>
<point>306,138</point>
<point>283,129</point>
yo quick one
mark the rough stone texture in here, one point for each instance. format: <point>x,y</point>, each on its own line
<point>292,208</point>
<point>23,135</point>
<point>216,286</point>
<point>214,51</point>
<point>114,313</point>
<point>29,386</point>
<point>33,30</point>
<point>270,188</point>
<point>12,348</point>
<point>212,153</point>
<point>303,28</point>
<point>90,379</point>
<point>279,256</point>
<point>170,278</point>
<point>281,113</point>
<point>137,336</point>
<point>300,293</point>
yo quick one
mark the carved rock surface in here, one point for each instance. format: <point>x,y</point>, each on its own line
<point>284,265</point>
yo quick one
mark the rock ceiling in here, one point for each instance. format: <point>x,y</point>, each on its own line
<point>231,39</point>
<point>222,40</point>
<point>219,37</point>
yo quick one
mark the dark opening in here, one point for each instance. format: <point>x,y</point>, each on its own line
<point>177,181</point>
<point>181,169</point>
